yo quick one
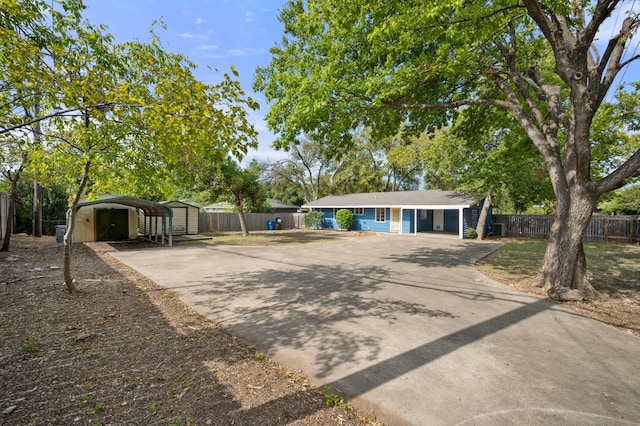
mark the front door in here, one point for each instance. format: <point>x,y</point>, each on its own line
<point>395,220</point>
<point>112,224</point>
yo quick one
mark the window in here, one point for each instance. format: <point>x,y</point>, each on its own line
<point>358,211</point>
<point>381,215</point>
<point>423,215</point>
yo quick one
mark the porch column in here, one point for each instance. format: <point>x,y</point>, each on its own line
<point>415,221</point>
<point>461,222</point>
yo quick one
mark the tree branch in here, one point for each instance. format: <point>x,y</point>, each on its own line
<point>64,112</point>
<point>615,180</point>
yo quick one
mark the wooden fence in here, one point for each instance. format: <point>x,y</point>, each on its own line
<point>226,222</point>
<point>623,229</point>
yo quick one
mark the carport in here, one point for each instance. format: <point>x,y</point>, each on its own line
<point>153,210</point>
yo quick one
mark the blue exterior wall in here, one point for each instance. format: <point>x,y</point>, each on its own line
<point>407,221</point>
<point>471,217</point>
<point>425,224</point>
<point>367,221</point>
<point>451,221</point>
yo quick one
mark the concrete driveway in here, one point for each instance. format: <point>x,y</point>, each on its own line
<point>408,330</point>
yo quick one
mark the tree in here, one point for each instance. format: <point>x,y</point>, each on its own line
<point>625,201</point>
<point>386,64</point>
<point>108,109</point>
<point>309,167</point>
<point>224,177</point>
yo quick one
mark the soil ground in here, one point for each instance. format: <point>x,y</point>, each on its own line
<point>125,351</point>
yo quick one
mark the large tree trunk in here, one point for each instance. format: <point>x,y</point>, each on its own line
<point>482,220</point>
<point>564,266</point>
<point>13,196</point>
<point>37,210</point>
<point>240,208</point>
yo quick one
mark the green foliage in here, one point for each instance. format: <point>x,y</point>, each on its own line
<point>54,205</point>
<point>331,399</point>
<point>345,219</point>
<point>471,233</point>
<point>625,201</point>
<point>314,219</point>
<point>30,345</point>
<point>411,66</point>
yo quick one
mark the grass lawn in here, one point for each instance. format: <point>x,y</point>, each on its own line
<point>272,238</point>
<point>614,270</point>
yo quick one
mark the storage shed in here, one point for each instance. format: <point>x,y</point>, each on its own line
<point>115,218</point>
<point>101,220</point>
<point>185,217</point>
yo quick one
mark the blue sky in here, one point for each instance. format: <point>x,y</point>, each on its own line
<point>216,33</point>
<point>221,33</point>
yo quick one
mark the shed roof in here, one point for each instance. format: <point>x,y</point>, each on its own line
<point>186,203</point>
<point>414,199</point>
<point>150,208</point>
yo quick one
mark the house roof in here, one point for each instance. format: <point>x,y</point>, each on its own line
<point>432,199</point>
<point>150,208</point>
<point>277,204</point>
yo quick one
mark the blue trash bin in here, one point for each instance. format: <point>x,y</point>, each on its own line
<point>270,225</point>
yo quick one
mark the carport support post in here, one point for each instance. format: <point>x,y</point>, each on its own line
<point>164,227</point>
<point>461,222</point>
<point>415,221</point>
<point>171,227</point>
<point>156,230</point>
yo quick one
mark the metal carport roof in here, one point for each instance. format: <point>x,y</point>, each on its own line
<point>150,208</point>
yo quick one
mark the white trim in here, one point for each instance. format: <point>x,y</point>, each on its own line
<point>461,223</point>
<point>388,206</point>
<point>398,222</point>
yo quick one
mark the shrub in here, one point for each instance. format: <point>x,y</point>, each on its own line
<point>344,218</point>
<point>314,219</point>
<point>471,233</point>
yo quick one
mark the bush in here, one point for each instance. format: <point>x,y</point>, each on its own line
<point>345,219</point>
<point>314,219</point>
<point>471,233</point>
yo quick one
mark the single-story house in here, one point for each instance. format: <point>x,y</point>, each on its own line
<point>278,206</point>
<point>404,212</point>
<point>115,218</point>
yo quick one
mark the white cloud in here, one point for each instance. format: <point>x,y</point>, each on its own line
<point>206,47</point>
<point>185,35</point>
<point>201,21</point>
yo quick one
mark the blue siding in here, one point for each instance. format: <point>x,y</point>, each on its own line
<point>425,224</point>
<point>367,222</point>
<point>451,221</point>
<point>471,217</point>
<point>407,221</point>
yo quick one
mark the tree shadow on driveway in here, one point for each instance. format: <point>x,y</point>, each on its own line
<point>323,306</point>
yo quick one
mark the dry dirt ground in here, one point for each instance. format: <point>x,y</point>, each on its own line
<point>125,351</point>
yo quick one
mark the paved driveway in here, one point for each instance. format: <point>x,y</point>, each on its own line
<point>409,331</point>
